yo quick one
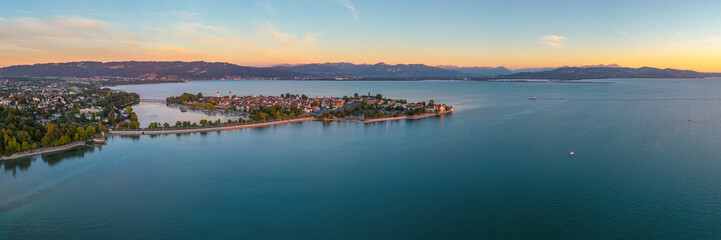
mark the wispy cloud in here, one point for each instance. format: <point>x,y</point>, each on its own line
<point>28,31</point>
<point>267,6</point>
<point>265,29</point>
<point>28,40</point>
<point>554,41</point>
<point>191,26</point>
<point>242,43</point>
<point>180,14</point>
<point>202,33</point>
<point>707,40</point>
<point>679,33</point>
<point>430,50</point>
<point>622,33</point>
<point>347,4</point>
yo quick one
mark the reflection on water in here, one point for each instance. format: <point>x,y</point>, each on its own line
<point>51,159</point>
<point>157,112</point>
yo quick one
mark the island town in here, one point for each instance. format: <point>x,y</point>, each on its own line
<point>46,115</point>
<point>259,108</point>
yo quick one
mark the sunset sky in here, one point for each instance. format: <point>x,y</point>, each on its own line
<point>515,34</point>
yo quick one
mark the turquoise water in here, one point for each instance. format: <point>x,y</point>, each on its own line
<point>647,166</point>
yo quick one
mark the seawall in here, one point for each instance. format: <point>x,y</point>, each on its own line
<point>204,129</point>
<point>44,150</point>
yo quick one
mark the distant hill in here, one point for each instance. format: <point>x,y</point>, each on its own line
<point>570,73</point>
<point>480,71</point>
<point>172,71</point>
<point>207,70</point>
<point>143,70</point>
<point>386,70</point>
<point>314,70</point>
<point>491,71</point>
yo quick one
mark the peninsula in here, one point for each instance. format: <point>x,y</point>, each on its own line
<point>261,111</point>
<point>43,115</point>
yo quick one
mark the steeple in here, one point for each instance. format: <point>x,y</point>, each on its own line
<point>217,94</point>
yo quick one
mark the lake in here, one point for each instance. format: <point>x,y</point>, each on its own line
<point>647,165</point>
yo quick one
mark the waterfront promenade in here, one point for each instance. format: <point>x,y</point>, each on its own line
<point>43,150</point>
<point>160,131</point>
<point>205,129</point>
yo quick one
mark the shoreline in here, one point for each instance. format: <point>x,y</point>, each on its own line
<point>43,150</point>
<point>256,125</point>
<point>39,151</point>
<point>414,117</point>
<point>208,129</point>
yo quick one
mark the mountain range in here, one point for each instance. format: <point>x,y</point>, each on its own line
<point>218,70</point>
<point>571,73</point>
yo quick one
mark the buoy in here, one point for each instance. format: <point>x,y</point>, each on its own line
<point>571,154</point>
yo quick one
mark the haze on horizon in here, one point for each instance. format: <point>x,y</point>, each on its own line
<point>514,34</point>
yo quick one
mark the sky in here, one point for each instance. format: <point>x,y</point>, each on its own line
<point>512,33</point>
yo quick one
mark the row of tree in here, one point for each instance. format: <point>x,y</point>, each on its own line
<point>185,97</point>
<point>19,132</point>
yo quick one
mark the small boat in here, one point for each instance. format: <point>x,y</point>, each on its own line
<point>571,154</point>
<point>532,98</point>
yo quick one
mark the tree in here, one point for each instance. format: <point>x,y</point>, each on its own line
<point>166,125</point>
<point>81,133</point>
<point>101,127</point>
<point>111,118</point>
<point>345,98</point>
<point>314,103</point>
<point>178,124</point>
<point>379,96</point>
<point>355,95</point>
<point>134,125</point>
<point>304,97</point>
<point>326,115</point>
<point>90,131</point>
<point>128,109</point>
<point>431,103</point>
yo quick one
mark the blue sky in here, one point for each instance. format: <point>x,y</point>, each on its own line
<point>678,34</point>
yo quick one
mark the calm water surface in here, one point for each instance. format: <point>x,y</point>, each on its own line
<point>647,166</point>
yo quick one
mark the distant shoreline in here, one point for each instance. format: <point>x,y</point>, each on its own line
<point>520,80</point>
<point>43,150</point>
